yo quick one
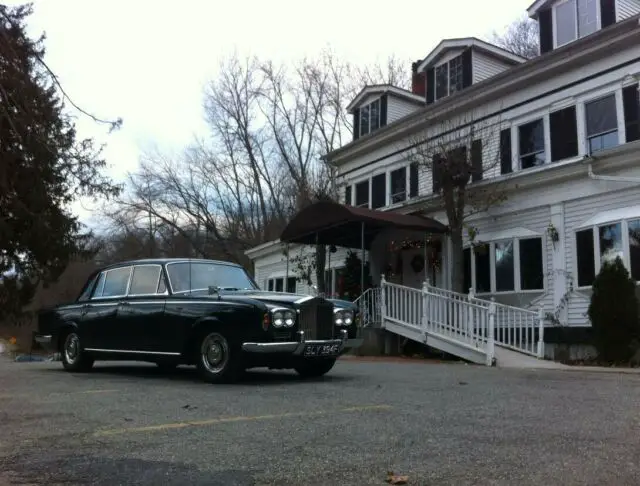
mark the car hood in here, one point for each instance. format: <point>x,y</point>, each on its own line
<point>282,298</point>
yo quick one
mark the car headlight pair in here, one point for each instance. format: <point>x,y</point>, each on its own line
<point>283,318</point>
<point>342,317</point>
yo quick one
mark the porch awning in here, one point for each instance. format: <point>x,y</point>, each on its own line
<point>340,225</point>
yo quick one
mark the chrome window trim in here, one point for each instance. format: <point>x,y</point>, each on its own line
<point>157,283</point>
<point>106,273</point>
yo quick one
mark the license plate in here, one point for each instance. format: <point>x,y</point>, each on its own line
<point>321,349</point>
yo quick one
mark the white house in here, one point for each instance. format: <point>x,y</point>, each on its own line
<point>559,135</point>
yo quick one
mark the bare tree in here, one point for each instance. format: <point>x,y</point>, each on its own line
<point>521,37</point>
<point>460,157</point>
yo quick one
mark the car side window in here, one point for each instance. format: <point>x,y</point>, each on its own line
<point>99,286</point>
<point>144,280</point>
<point>116,282</point>
<point>162,284</point>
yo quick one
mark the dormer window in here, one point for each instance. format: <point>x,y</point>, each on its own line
<point>575,19</point>
<point>448,78</point>
<point>370,117</point>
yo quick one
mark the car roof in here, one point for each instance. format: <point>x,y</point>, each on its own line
<point>164,261</point>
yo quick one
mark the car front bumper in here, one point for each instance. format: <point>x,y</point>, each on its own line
<point>308,348</point>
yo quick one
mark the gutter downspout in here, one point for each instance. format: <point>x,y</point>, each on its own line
<point>610,178</point>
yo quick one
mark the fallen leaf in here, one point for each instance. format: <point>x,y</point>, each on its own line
<point>395,479</point>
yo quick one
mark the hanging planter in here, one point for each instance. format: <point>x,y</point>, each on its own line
<point>553,233</point>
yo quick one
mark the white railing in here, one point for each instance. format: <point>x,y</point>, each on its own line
<point>369,307</point>
<point>464,318</point>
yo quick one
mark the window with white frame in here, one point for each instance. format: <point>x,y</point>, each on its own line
<point>605,241</point>
<point>398,187</point>
<point>276,284</point>
<point>601,123</point>
<point>448,77</point>
<point>505,265</point>
<point>575,19</point>
<point>362,194</point>
<point>370,117</point>
<point>531,144</point>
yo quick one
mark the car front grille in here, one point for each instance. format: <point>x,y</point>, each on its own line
<point>316,319</point>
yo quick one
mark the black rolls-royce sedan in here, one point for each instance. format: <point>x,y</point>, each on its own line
<point>206,313</point>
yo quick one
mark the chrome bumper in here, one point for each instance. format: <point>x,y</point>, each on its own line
<point>297,347</point>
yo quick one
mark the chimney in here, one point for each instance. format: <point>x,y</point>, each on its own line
<point>418,80</point>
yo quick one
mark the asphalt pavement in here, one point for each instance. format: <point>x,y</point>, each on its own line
<point>437,423</point>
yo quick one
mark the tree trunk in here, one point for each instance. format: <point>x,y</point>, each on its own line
<point>457,261</point>
<point>321,258</point>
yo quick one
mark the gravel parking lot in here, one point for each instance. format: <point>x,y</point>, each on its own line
<point>436,423</point>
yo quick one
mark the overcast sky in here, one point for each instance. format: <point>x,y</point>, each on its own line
<point>147,62</point>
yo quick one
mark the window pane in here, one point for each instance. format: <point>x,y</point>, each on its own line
<point>587,17</point>
<point>531,270</point>
<point>379,191</point>
<point>99,285</point>
<point>455,74</point>
<point>399,185</point>
<point>532,144</point>
<point>364,120</point>
<point>602,142</point>
<point>116,282</point>
<point>586,258</point>
<point>505,279</point>
<point>483,268</point>
<point>610,242</point>
<point>162,285</point>
<point>291,285</point>
<point>362,194</point>
<point>634,248</point>
<point>441,75</point>
<point>145,279</point>
<point>566,22</point>
<point>466,270</point>
<point>279,284</point>
<point>374,115</point>
<point>270,288</point>
<point>601,115</point>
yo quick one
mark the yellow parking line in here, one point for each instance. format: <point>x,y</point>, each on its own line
<point>224,420</point>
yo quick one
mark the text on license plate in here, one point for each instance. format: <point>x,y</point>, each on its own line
<point>321,349</point>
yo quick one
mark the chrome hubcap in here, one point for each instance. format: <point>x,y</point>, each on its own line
<point>214,352</point>
<point>72,348</point>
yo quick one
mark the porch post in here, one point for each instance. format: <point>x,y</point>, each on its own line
<point>362,259</point>
<point>287,271</point>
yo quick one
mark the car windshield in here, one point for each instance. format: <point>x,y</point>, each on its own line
<point>199,276</point>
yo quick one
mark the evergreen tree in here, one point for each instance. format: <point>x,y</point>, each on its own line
<point>43,167</point>
<point>613,312</point>
<point>352,275</point>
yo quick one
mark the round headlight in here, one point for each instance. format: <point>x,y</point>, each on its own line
<point>289,318</point>
<point>347,317</point>
<point>278,319</point>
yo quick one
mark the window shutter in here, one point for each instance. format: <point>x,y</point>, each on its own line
<point>467,68</point>
<point>413,179</point>
<point>631,103</point>
<point>379,191</point>
<point>607,12</point>
<point>545,24</point>
<point>383,109</point>
<point>347,195</point>
<point>505,151</point>
<point>476,160</point>
<point>356,123</point>
<point>564,134</point>
<point>431,83</point>
<point>436,175</point>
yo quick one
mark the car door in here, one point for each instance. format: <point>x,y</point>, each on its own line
<point>142,312</point>
<point>102,329</point>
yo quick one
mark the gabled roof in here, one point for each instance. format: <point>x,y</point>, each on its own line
<point>381,89</point>
<point>463,43</point>
<point>536,6</point>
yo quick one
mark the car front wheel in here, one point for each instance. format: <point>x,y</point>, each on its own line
<point>218,359</point>
<point>74,358</point>
<point>315,368</point>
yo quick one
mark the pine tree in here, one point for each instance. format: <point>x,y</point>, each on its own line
<point>613,312</point>
<point>43,168</point>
